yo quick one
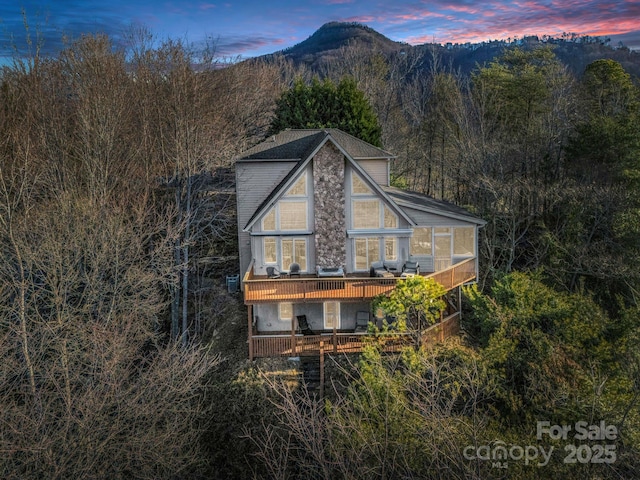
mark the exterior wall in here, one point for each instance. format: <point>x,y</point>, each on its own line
<point>254,182</point>
<point>377,169</point>
<point>403,242</point>
<point>424,219</point>
<point>268,321</point>
<point>329,207</point>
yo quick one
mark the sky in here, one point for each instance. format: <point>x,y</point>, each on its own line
<point>248,28</point>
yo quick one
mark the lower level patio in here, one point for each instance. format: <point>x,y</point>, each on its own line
<point>296,344</point>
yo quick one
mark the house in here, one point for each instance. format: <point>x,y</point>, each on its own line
<point>321,232</point>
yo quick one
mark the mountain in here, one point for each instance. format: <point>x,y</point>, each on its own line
<point>325,43</point>
<point>323,47</point>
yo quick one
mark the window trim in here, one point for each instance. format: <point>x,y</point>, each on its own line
<point>280,316</point>
<point>473,242</point>
<point>285,268</point>
<point>337,314</point>
<point>431,242</point>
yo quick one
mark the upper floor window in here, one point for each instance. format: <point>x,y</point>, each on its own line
<point>269,221</point>
<point>358,187</point>
<point>464,241</point>
<point>294,250</point>
<point>299,189</point>
<point>421,241</point>
<point>366,213</point>
<point>372,214</point>
<point>270,250</point>
<point>287,215</point>
<point>390,218</point>
<point>284,252</point>
<point>293,215</point>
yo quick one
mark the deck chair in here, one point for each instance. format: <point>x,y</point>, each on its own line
<point>272,272</point>
<point>303,325</point>
<point>294,269</point>
<point>362,322</point>
<point>378,270</point>
<point>411,267</point>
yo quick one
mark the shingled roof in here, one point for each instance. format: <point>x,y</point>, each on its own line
<point>298,144</point>
<point>406,198</point>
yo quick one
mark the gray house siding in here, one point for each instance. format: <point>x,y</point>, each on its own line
<point>267,318</point>
<point>254,182</point>
<point>377,169</point>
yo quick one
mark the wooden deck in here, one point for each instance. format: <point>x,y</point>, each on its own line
<point>314,289</point>
<point>299,345</point>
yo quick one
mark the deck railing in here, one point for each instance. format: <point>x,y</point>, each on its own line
<point>313,289</point>
<point>306,345</point>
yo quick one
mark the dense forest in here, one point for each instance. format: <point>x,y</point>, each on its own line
<point>123,354</point>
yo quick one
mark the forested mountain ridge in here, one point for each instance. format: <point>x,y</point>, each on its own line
<point>323,47</point>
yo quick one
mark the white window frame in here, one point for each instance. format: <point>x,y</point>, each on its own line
<point>264,250</point>
<point>394,256</point>
<point>369,241</point>
<point>473,242</point>
<point>327,326</point>
<point>305,211</point>
<point>281,315</point>
<point>294,259</point>
<point>301,179</point>
<point>355,177</point>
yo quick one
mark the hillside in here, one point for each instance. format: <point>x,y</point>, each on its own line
<point>319,50</point>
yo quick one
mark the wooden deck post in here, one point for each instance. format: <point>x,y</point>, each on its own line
<point>321,369</point>
<point>335,339</point>
<point>459,302</point>
<point>293,335</point>
<point>250,329</point>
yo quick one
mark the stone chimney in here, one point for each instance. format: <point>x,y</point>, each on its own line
<point>329,207</point>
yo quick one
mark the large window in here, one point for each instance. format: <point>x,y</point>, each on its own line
<point>299,189</point>
<point>367,251</point>
<point>287,215</point>
<point>294,250</point>
<point>372,214</point>
<point>331,315</point>
<point>390,218</point>
<point>269,221</point>
<point>390,249</point>
<point>293,215</point>
<point>270,250</point>
<point>421,241</point>
<point>288,250</point>
<point>366,214</point>
<point>464,241</point>
<point>358,187</point>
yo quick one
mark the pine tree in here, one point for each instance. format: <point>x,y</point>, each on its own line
<point>327,105</point>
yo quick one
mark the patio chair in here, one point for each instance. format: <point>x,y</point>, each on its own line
<point>303,325</point>
<point>362,322</point>
<point>294,269</point>
<point>411,267</point>
<point>272,272</point>
<point>378,270</point>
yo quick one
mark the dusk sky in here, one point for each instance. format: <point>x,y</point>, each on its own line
<point>249,28</point>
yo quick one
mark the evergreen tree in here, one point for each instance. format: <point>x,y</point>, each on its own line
<point>327,105</point>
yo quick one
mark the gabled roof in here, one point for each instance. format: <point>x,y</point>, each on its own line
<point>302,145</point>
<point>298,144</point>
<point>425,203</point>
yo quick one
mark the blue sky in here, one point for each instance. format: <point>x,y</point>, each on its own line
<point>249,28</point>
